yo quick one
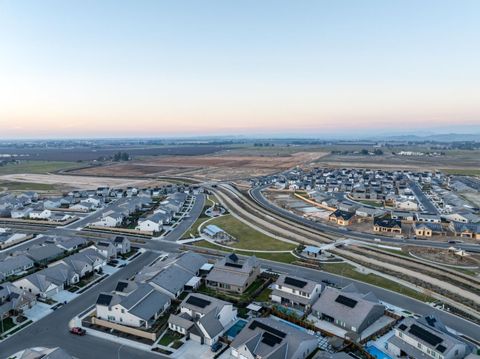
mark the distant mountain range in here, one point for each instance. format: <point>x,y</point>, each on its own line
<point>445,137</point>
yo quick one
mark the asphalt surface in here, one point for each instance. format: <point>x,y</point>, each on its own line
<point>52,330</point>
<point>341,233</point>
<point>423,199</point>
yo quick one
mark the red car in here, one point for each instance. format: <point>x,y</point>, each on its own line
<point>78,331</point>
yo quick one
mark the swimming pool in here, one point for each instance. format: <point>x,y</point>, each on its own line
<point>235,329</point>
<point>377,353</point>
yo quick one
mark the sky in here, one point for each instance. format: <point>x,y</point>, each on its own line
<point>89,68</point>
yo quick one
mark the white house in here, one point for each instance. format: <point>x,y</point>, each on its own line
<point>38,284</point>
<point>295,292</point>
<point>42,214</point>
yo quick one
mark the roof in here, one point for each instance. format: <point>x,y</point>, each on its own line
<point>212,230</point>
<point>232,270</point>
<point>172,279</point>
<point>387,223</point>
<point>45,252</point>
<point>13,263</point>
<point>191,261</point>
<point>347,305</point>
<point>304,285</point>
<point>342,214</point>
<point>430,332</point>
<point>145,302</point>
<point>268,338</point>
<point>312,249</point>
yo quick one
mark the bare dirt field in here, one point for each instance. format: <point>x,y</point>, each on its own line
<point>76,182</point>
<point>443,256</point>
<point>218,167</point>
<point>452,161</point>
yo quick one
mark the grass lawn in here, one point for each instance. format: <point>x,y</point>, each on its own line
<point>249,238</point>
<point>277,257</point>
<point>36,167</point>
<point>7,325</point>
<point>25,186</point>
<point>193,231</point>
<point>169,337</point>
<point>371,203</point>
<point>349,271</point>
<point>264,296</point>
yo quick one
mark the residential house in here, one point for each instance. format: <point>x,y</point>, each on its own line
<point>217,234</point>
<point>173,280</point>
<point>465,230</point>
<point>111,218</point>
<point>39,284</point>
<point>122,245</point>
<point>368,212</point>
<point>138,308</point>
<point>203,318</point>
<point>68,244</point>
<point>14,300</point>
<point>387,226</point>
<point>106,249</point>
<point>348,309</point>
<point>43,214</point>
<point>44,254</point>
<point>428,229</point>
<point>463,217</point>
<point>426,337</point>
<point>295,292</point>
<point>233,274</point>
<point>406,204</point>
<point>86,261</point>
<point>267,338</point>
<point>427,218</point>
<point>8,239</point>
<point>153,222</point>
<point>15,265</point>
<point>61,274</point>
<point>341,218</point>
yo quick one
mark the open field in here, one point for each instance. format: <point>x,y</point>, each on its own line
<point>223,166</point>
<point>26,186</point>
<point>461,162</point>
<point>277,257</point>
<point>249,238</point>
<point>67,182</point>
<point>37,167</point>
<point>94,152</point>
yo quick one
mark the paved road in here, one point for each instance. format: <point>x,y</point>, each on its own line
<point>257,195</point>
<point>464,326</point>
<point>52,330</point>
<point>423,199</point>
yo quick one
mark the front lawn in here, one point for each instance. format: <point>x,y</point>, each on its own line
<point>6,324</point>
<point>169,337</point>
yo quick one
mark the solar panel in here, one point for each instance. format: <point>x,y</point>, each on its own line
<point>233,257</point>
<point>402,327</point>
<point>121,286</point>
<point>346,301</point>
<point>425,335</point>
<point>441,348</point>
<point>198,302</point>
<point>234,265</point>
<point>256,324</point>
<point>270,339</point>
<point>295,282</point>
<point>104,299</point>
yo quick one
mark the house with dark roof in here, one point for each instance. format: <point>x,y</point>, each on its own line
<point>292,291</point>
<point>14,300</point>
<point>106,249</point>
<point>233,274</point>
<point>38,284</point>
<point>122,244</point>
<point>348,309</point>
<point>428,229</point>
<point>387,225</point>
<point>341,218</point>
<point>203,318</point>
<point>426,337</point>
<point>45,253</point>
<point>139,307</point>
<point>465,230</point>
<point>267,338</point>
<point>13,265</point>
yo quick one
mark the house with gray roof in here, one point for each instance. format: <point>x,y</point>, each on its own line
<point>42,353</point>
<point>233,274</point>
<point>13,299</point>
<point>85,261</point>
<point>426,337</point>
<point>61,274</point>
<point>172,280</point>
<point>267,338</point>
<point>38,284</point>
<point>14,265</point>
<point>348,309</point>
<point>296,292</point>
<point>137,308</point>
<point>203,318</point>
<point>45,253</point>
<point>67,243</point>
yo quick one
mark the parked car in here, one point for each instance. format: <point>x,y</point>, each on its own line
<point>216,347</point>
<point>78,331</point>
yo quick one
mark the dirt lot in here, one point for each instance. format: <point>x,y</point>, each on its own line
<point>219,167</point>
<point>443,256</point>
<point>76,182</point>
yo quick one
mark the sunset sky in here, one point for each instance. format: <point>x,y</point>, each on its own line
<point>104,68</point>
